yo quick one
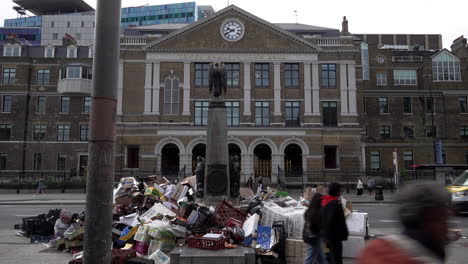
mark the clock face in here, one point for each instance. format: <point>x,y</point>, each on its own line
<point>232,30</point>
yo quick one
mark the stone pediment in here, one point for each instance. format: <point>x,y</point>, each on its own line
<point>258,36</point>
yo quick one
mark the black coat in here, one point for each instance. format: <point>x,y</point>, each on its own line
<point>333,223</point>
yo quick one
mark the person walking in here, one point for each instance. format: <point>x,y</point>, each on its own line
<point>371,186</point>
<point>333,229</point>
<point>359,187</point>
<point>40,188</point>
<point>311,231</point>
<point>423,211</point>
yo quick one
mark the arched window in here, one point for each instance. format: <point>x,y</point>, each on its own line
<point>445,67</point>
<point>171,95</point>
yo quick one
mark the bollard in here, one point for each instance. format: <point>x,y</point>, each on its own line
<point>379,193</point>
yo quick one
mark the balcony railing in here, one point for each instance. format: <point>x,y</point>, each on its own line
<point>407,58</point>
<point>330,41</point>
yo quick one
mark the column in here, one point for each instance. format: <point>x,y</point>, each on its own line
<point>352,92</point>
<point>307,90</point>
<point>120,89</point>
<point>277,88</point>
<point>247,89</point>
<point>148,87</point>
<point>315,89</point>
<point>344,88</point>
<point>247,169</point>
<point>186,88</point>
<point>186,160</point>
<point>156,87</point>
<point>276,160</point>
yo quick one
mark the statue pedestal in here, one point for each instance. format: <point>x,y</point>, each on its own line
<point>216,187</point>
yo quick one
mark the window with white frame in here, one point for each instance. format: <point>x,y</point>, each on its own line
<point>64,104</point>
<point>84,132</point>
<point>375,159</point>
<point>63,132</point>
<point>39,132</point>
<point>41,104</point>
<point>6,103</point>
<point>43,76</point>
<point>365,61</point>
<point>384,131</point>
<point>171,95</point>
<point>383,105</point>
<point>61,158</point>
<point>233,113</point>
<point>87,104</point>
<point>12,50</point>
<point>201,113</point>
<point>404,77</point>
<point>72,51</point>
<point>91,51</point>
<point>381,78</point>
<point>49,52</point>
<point>9,76</point>
<point>445,67</point>
<point>73,72</point>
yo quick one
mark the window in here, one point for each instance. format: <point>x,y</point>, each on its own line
<point>3,161</point>
<point>49,52</point>
<point>383,105</point>
<point>5,132</point>
<point>446,67</point>
<point>54,36</point>
<point>64,104</point>
<point>51,24</point>
<point>291,75</point>
<point>82,24</point>
<point>233,113</point>
<point>329,114</point>
<point>91,52</point>
<point>292,111</point>
<point>408,131</point>
<point>330,157</point>
<point>71,52</point>
<point>73,72</point>
<point>43,77</point>
<point>375,159</point>
<point>407,105</point>
<point>262,75</point>
<point>329,75</point>
<point>61,157</point>
<point>86,73</point>
<point>381,78</point>
<point>404,77</point>
<point>384,131</point>
<point>63,132</point>
<point>84,132</point>
<point>429,105</point>
<point>39,132</point>
<point>408,159</point>
<point>171,95</point>
<point>464,131</point>
<point>463,104</point>
<point>68,23</point>
<point>431,132</point>
<point>41,104</point>
<point>262,113</point>
<point>365,61</point>
<point>233,74</point>
<point>201,74</point>
<point>9,75</point>
<point>87,104</point>
<point>78,35</point>
<point>12,50</point>
<point>37,161</point>
<point>6,104</point>
<point>133,155</point>
<point>201,113</point>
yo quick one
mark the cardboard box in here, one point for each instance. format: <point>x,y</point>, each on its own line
<point>125,200</point>
<point>357,224</point>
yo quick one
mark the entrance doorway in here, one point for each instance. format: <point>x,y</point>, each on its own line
<point>170,160</point>
<point>262,161</point>
<point>83,165</point>
<point>293,161</point>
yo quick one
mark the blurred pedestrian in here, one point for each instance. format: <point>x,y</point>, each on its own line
<point>311,232</point>
<point>371,186</point>
<point>40,188</point>
<point>333,227</point>
<point>359,187</point>
<point>423,210</point>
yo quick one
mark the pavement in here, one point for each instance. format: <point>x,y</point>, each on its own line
<point>80,198</point>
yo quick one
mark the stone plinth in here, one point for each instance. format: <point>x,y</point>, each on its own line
<point>186,255</point>
<point>217,160</point>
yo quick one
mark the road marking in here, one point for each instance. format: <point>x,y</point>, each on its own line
<point>25,215</point>
<point>389,221</point>
<point>454,222</point>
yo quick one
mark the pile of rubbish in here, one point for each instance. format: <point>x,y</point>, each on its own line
<point>153,216</point>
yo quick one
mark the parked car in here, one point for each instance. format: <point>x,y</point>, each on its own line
<point>459,190</point>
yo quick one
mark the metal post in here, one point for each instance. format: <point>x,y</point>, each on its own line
<point>101,148</point>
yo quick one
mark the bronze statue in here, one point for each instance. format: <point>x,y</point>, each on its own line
<point>234,176</point>
<point>200,176</point>
<point>217,79</point>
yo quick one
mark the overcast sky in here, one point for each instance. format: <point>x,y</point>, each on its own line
<point>448,18</point>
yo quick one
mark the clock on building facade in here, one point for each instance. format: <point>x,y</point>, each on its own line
<point>232,29</point>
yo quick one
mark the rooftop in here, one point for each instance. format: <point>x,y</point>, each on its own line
<point>44,7</point>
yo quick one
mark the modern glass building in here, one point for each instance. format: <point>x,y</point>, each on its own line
<point>31,35</point>
<point>159,14</point>
<point>35,21</point>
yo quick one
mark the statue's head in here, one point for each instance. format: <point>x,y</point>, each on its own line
<point>216,64</point>
<point>199,158</point>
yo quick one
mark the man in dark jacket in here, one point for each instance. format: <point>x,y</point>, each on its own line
<point>333,224</point>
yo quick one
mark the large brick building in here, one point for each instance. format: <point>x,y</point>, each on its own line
<point>295,98</point>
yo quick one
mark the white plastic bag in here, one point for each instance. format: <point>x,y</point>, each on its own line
<point>60,228</point>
